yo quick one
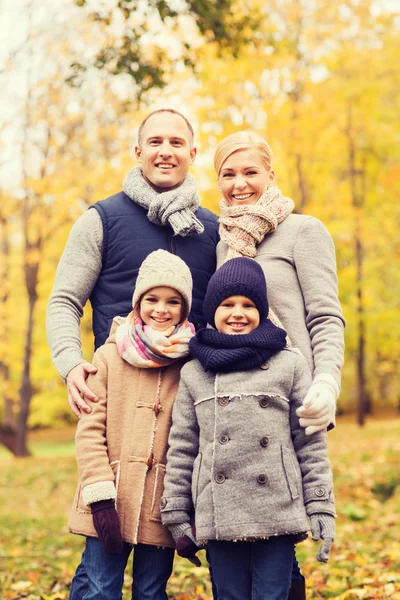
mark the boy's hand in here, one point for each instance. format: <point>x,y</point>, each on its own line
<point>323,527</point>
<point>106,524</point>
<point>186,545</point>
<point>77,389</point>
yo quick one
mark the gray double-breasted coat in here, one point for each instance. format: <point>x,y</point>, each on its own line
<point>239,457</point>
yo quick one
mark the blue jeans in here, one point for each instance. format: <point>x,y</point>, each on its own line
<point>252,570</point>
<point>100,577</point>
<point>296,573</point>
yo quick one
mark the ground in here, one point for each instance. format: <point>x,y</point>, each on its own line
<point>38,556</point>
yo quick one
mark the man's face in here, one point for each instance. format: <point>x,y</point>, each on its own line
<point>165,155</point>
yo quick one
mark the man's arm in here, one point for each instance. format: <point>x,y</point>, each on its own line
<point>76,276</point>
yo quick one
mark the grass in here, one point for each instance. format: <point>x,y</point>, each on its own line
<point>38,556</point>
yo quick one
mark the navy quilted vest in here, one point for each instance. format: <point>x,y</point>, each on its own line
<point>128,238</point>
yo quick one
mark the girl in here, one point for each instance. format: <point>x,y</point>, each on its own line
<point>121,447</point>
<point>237,452</point>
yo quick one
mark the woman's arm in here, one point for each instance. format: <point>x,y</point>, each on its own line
<point>314,256</point>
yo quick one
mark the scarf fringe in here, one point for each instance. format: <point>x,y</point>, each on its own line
<point>175,207</point>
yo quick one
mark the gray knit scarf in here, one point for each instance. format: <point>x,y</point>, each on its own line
<point>175,207</point>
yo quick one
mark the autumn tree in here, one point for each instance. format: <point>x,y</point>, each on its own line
<point>137,37</point>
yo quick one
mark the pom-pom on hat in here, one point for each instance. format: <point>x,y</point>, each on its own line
<point>161,268</point>
<point>237,277</point>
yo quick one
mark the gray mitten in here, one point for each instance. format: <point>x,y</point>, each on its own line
<point>323,527</point>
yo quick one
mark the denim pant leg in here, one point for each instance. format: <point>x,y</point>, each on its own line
<point>256,570</point>
<point>105,573</point>
<point>296,573</point>
<point>152,567</point>
<point>271,567</point>
<point>213,586</point>
<point>230,566</point>
<point>79,583</point>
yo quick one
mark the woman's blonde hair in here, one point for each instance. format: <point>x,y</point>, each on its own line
<point>242,140</point>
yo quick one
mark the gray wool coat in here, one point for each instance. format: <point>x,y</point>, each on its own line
<point>239,457</point>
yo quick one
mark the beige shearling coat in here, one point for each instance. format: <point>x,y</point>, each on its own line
<point>121,446</point>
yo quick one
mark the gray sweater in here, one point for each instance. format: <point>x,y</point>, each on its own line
<point>77,274</point>
<point>299,264</point>
<point>239,457</point>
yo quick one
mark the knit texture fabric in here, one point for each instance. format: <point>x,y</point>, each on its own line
<point>106,523</point>
<point>161,268</point>
<point>237,277</point>
<point>174,207</point>
<point>222,353</point>
<point>323,527</point>
<point>186,546</point>
<point>242,228</point>
<point>143,347</point>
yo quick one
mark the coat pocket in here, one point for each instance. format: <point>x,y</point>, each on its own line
<point>195,477</point>
<point>155,513</point>
<point>79,504</point>
<point>291,473</point>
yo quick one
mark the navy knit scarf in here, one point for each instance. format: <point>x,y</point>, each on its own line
<point>223,353</point>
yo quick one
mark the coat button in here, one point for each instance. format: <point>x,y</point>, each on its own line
<point>319,492</point>
<point>163,502</point>
<point>223,439</point>
<point>263,402</point>
<point>264,442</point>
<point>220,478</point>
<point>262,478</point>
<point>223,401</point>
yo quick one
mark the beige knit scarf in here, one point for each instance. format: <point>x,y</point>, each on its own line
<point>243,227</point>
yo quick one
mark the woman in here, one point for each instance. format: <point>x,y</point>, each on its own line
<point>297,256</point>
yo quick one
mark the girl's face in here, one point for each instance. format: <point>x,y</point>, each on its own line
<point>237,314</point>
<point>161,308</point>
<point>244,178</point>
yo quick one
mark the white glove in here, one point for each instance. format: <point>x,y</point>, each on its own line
<point>319,405</point>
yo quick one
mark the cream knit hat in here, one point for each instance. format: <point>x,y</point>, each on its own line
<point>161,268</point>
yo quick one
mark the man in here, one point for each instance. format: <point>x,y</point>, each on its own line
<point>108,243</point>
<point>158,208</point>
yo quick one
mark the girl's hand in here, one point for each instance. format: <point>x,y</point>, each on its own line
<point>106,524</point>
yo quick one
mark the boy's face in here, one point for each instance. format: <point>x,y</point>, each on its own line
<point>161,308</point>
<point>237,315</point>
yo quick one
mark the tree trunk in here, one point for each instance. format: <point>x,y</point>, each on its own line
<point>8,438</point>
<point>26,390</point>
<point>9,415</point>
<point>358,201</point>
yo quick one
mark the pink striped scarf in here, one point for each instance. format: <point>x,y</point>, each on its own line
<point>143,347</point>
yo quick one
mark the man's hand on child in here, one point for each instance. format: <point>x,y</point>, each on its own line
<point>318,410</point>
<point>186,545</point>
<point>106,524</point>
<point>323,527</point>
<point>77,389</point>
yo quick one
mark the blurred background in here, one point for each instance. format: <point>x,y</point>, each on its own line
<point>319,79</point>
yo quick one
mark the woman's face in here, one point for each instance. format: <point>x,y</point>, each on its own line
<point>244,178</point>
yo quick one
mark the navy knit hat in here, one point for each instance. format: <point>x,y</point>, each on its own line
<point>237,277</point>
